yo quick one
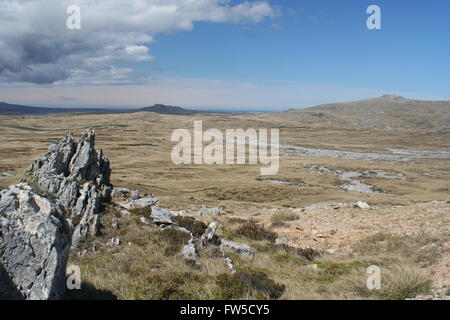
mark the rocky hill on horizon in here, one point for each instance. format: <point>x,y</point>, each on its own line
<point>15,109</point>
<point>388,112</point>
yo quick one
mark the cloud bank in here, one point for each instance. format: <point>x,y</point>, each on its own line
<point>36,46</point>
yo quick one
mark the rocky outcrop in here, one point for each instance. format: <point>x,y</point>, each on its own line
<point>35,240</point>
<point>213,212</point>
<point>78,176</point>
<point>237,247</point>
<point>125,193</point>
<point>209,236</point>
<point>189,251</point>
<point>139,203</point>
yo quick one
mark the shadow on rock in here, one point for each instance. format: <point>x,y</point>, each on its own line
<point>8,290</point>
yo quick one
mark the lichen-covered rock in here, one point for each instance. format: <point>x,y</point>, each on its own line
<point>56,161</point>
<point>138,203</point>
<point>34,245</point>
<point>188,251</point>
<point>89,164</point>
<point>125,193</point>
<point>237,247</point>
<point>78,176</point>
<point>163,216</point>
<point>209,236</point>
<point>86,209</point>
<point>213,212</point>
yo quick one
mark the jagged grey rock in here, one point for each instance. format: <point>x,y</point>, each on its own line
<point>138,203</point>
<point>87,204</point>
<point>209,236</point>
<point>188,251</point>
<point>78,176</point>
<point>215,212</point>
<point>87,163</point>
<point>35,240</point>
<point>125,193</point>
<point>163,216</point>
<point>237,247</point>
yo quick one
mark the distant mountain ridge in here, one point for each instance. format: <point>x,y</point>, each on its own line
<point>15,109</point>
<point>164,109</point>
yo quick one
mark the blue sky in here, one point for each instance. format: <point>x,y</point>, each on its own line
<point>324,42</point>
<point>311,52</point>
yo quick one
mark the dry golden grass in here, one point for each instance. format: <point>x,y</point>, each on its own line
<point>138,146</point>
<point>143,268</point>
<point>280,219</point>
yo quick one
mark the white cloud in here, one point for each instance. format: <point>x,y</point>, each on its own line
<point>36,46</point>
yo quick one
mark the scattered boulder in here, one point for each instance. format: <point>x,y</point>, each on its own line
<point>114,242</point>
<point>141,203</point>
<point>162,216</point>
<point>237,247</point>
<point>125,193</point>
<point>361,205</point>
<point>313,267</point>
<point>5,175</point>
<point>210,212</point>
<point>35,240</point>
<point>281,240</point>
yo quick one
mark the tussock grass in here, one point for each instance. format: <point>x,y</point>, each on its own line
<point>280,219</point>
<point>148,266</point>
<point>422,248</point>
<point>398,282</point>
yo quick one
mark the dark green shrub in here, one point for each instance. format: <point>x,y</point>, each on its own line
<point>239,284</point>
<point>196,227</point>
<point>175,239</point>
<point>253,231</point>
